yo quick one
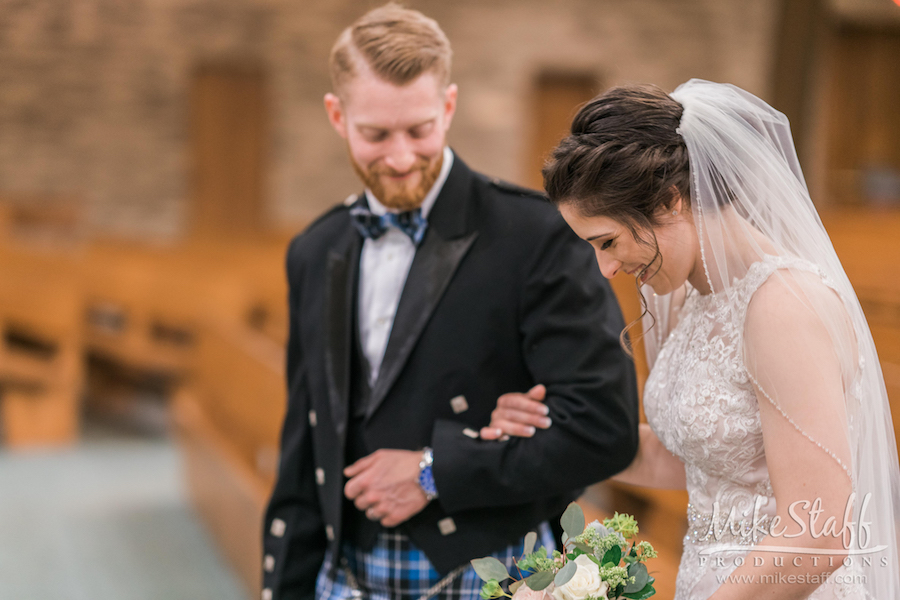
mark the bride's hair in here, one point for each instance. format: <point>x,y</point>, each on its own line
<point>625,160</point>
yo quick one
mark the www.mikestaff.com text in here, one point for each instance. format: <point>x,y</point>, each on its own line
<point>798,578</point>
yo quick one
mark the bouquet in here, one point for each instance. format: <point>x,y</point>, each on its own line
<point>597,563</point>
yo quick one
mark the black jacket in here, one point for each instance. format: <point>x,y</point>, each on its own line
<point>501,295</point>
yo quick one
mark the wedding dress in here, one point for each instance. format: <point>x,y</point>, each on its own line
<point>701,403</point>
<point>759,230</point>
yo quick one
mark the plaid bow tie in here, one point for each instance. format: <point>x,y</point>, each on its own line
<point>370,225</point>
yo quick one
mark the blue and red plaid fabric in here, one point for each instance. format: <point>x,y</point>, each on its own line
<point>395,569</point>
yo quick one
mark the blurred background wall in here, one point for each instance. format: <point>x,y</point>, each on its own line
<point>157,155</point>
<point>96,93</point>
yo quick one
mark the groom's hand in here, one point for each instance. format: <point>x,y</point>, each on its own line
<point>518,414</point>
<point>385,484</point>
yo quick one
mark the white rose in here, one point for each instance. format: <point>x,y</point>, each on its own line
<point>585,583</point>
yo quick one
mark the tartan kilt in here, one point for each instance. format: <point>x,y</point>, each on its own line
<point>395,569</point>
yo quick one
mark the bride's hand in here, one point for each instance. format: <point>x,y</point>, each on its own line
<point>518,414</point>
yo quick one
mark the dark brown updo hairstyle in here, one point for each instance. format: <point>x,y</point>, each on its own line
<point>624,160</point>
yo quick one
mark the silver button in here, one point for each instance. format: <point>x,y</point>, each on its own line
<point>269,563</point>
<point>329,533</point>
<point>313,419</point>
<point>459,404</point>
<point>447,526</point>
<point>278,527</point>
<point>471,433</point>
<point>266,594</point>
<point>320,476</point>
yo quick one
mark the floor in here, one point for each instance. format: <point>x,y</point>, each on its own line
<point>106,520</point>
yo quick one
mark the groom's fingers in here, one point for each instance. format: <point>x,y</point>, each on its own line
<point>359,466</point>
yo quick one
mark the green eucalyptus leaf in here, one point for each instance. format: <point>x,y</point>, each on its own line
<point>613,555</point>
<point>530,541</point>
<point>539,581</point>
<point>572,520</point>
<point>565,574</point>
<point>641,578</point>
<point>584,548</point>
<point>490,568</point>
<point>516,585</point>
<point>645,593</point>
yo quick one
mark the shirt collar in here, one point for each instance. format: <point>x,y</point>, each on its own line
<point>378,208</point>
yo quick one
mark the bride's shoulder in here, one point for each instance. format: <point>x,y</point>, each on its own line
<point>794,299</point>
<point>789,282</point>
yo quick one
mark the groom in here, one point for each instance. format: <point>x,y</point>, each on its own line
<point>413,307</point>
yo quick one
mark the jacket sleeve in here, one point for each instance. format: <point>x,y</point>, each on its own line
<point>293,538</point>
<point>569,325</point>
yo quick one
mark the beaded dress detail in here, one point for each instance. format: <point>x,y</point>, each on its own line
<point>701,402</point>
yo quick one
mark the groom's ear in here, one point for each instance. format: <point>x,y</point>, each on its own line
<point>450,94</point>
<point>336,115</point>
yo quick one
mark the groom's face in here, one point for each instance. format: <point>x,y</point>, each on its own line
<point>395,134</point>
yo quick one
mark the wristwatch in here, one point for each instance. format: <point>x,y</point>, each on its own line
<point>426,478</point>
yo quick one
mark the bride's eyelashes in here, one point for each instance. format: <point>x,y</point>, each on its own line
<point>607,244</point>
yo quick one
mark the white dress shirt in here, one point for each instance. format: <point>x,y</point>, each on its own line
<point>383,267</point>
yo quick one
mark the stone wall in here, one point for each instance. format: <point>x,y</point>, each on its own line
<point>94,93</point>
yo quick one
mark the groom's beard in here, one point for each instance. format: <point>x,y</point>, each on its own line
<point>400,195</point>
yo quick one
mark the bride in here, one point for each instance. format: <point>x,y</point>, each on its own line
<point>765,398</point>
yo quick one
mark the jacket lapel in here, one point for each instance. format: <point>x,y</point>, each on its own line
<point>445,244</point>
<point>340,284</point>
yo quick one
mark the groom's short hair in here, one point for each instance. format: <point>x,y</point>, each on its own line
<point>398,44</point>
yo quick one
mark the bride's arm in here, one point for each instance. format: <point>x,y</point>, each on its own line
<point>794,357</point>
<point>654,466</point>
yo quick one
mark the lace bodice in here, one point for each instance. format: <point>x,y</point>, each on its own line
<point>702,404</point>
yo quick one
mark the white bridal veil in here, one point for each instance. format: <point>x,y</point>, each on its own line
<point>750,203</point>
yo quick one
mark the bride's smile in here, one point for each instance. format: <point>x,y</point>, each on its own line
<point>664,257</point>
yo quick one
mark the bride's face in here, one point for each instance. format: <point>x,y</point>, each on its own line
<point>618,251</point>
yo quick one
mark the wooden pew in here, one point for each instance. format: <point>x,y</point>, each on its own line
<point>228,417</point>
<point>41,369</point>
<point>868,244</point>
<point>145,304</point>
<point>41,348</point>
<point>212,318</point>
